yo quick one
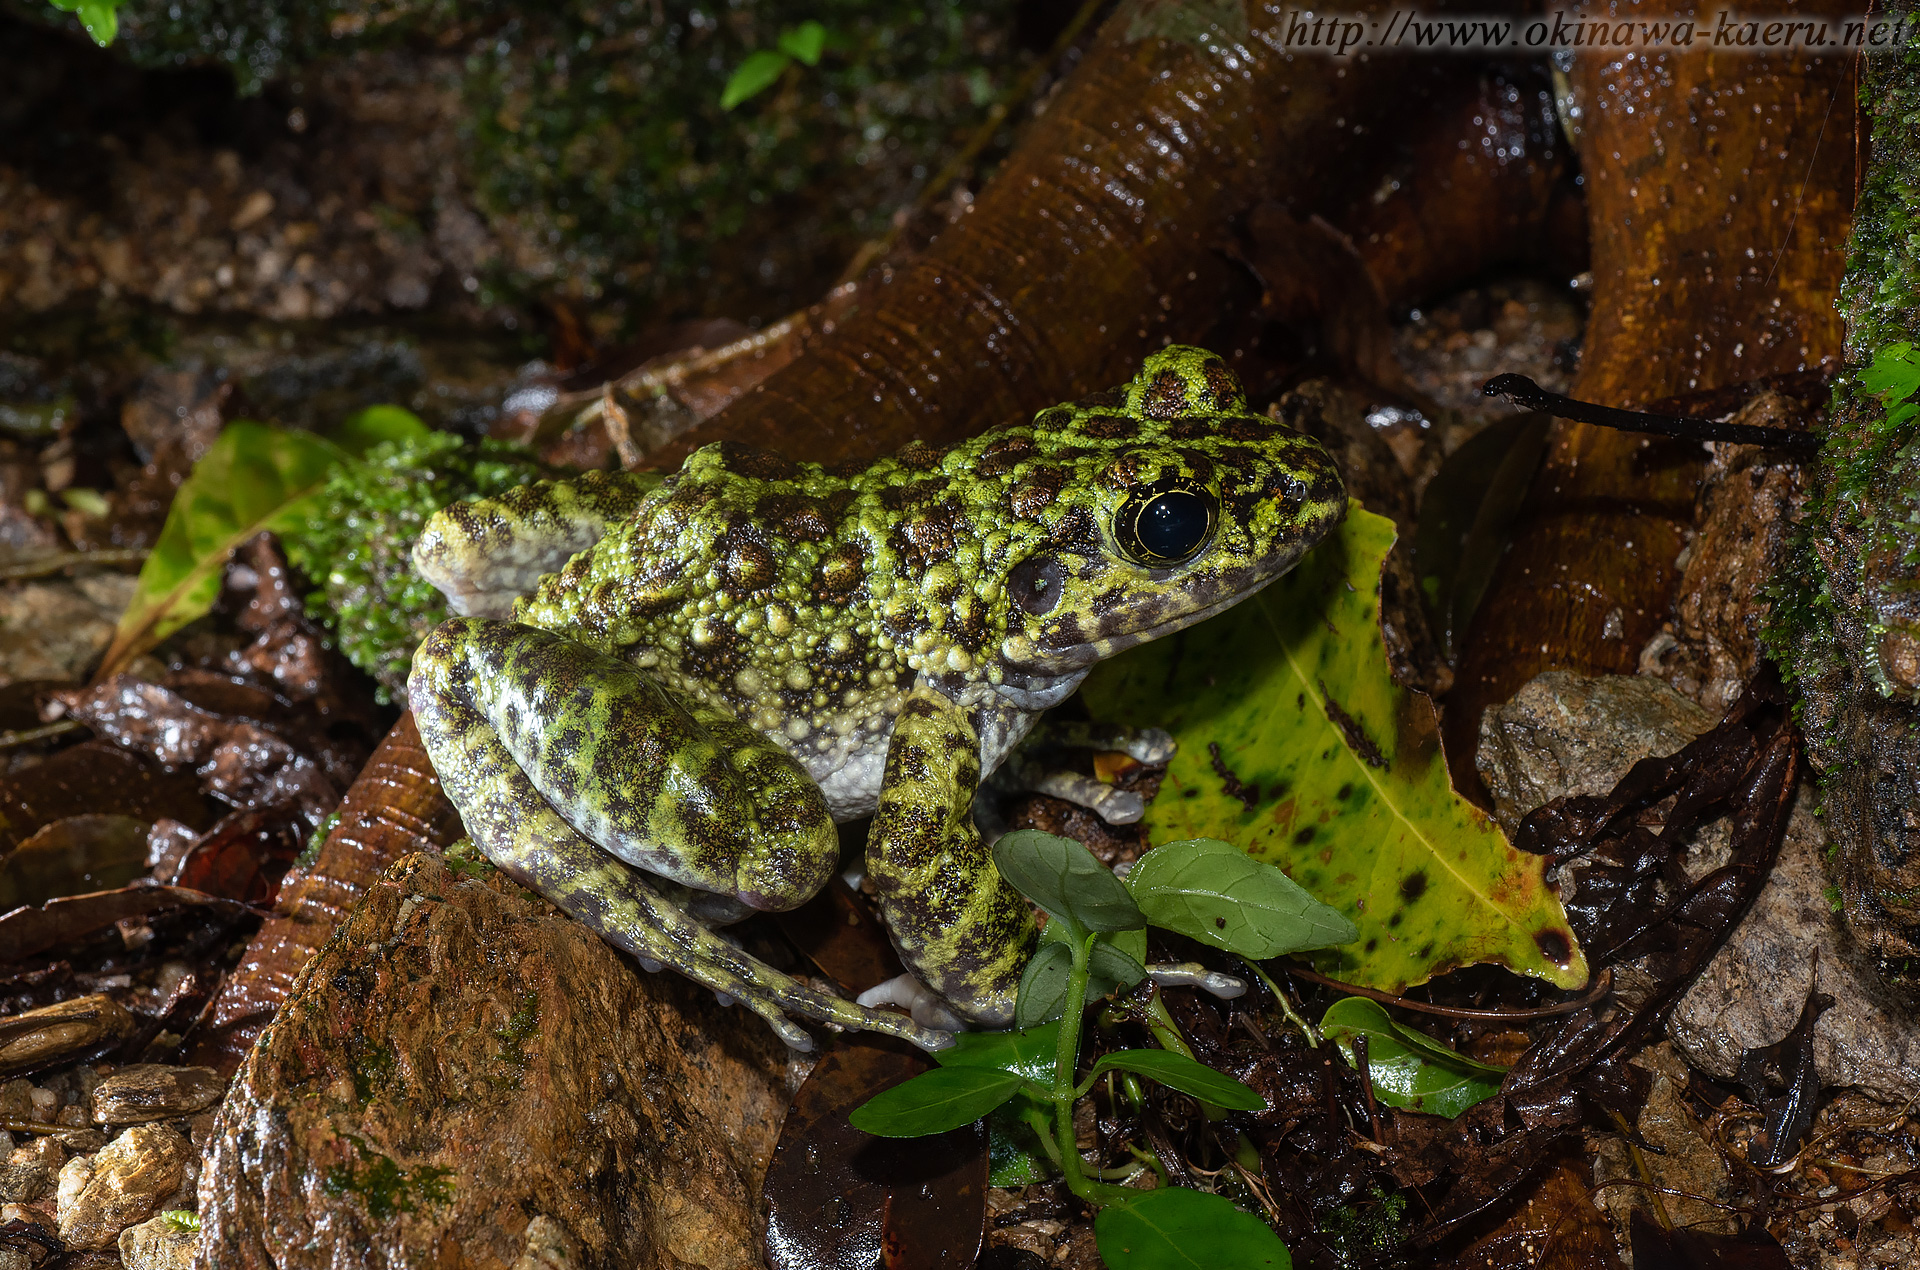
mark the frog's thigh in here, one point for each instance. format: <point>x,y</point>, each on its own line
<point>519,831</point>
<point>958,925</point>
<point>690,794</point>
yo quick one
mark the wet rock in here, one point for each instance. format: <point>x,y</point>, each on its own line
<point>1750,994</point>
<point>158,1244</point>
<point>125,1182</point>
<point>153,1091</point>
<point>1575,734</point>
<point>461,1059</point>
<point>1683,1160</point>
<point>1750,498</point>
<point>30,1170</point>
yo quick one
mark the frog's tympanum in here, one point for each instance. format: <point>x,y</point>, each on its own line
<point>662,735</point>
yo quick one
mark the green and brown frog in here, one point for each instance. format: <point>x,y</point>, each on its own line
<point>664,694</point>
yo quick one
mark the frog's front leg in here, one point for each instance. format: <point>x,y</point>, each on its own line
<point>553,751</point>
<point>957,925</point>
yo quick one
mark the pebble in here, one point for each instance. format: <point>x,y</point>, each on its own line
<point>152,1091</point>
<point>101,1196</point>
<point>157,1244</point>
<point>29,1171</point>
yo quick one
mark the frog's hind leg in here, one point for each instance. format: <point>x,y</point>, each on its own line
<point>517,827</point>
<point>957,925</point>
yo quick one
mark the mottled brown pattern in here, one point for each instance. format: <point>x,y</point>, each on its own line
<point>1166,397</point>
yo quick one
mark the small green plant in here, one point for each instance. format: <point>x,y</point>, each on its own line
<point>1095,940</point>
<point>1409,1068</point>
<point>184,1220</point>
<point>101,18</point>
<point>803,44</point>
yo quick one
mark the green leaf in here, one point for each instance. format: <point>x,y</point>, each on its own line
<point>804,43</point>
<point>936,1101</point>
<point>1174,1228</point>
<point>1296,745</point>
<point>1177,1071</point>
<point>1409,1068</point>
<point>1028,1053</point>
<point>1062,877</point>
<point>1214,892</point>
<point>252,478</point>
<point>100,18</point>
<point>1894,374</point>
<point>367,428</point>
<point>754,76</point>
<point>1043,986</point>
<point>1015,1157</point>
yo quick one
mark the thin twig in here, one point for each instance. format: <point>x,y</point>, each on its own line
<point>45,566</point>
<point>1601,986</point>
<point>1365,1067</point>
<point>1522,391</point>
<point>46,732</point>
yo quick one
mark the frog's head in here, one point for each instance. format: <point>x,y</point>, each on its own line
<point>1143,510</point>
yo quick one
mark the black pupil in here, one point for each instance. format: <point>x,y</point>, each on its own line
<point>1173,525</point>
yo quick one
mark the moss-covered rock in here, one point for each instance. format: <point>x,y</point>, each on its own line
<point>591,139</point>
<point>1846,617</point>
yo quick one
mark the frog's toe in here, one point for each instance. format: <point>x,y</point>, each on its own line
<point>922,1003</point>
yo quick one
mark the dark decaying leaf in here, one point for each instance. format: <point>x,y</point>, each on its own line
<point>840,935</point>
<point>72,855</point>
<point>1782,1081</point>
<point>29,932</point>
<point>243,857</point>
<point>1466,517</point>
<point>1555,1227</point>
<point>838,1199</point>
<point>237,760</point>
<point>394,806</point>
<point>94,778</point>
<point>1679,1249</point>
<point>1745,768</point>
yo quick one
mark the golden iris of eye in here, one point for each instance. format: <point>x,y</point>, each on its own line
<point>1165,528</point>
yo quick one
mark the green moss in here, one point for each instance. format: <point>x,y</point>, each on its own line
<point>1360,1232</point>
<point>1841,591</point>
<point>183,1220</point>
<point>317,839</point>
<point>384,1187</point>
<point>374,1066</point>
<point>519,1029</point>
<point>592,132</point>
<point>357,540</point>
<point>465,859</point>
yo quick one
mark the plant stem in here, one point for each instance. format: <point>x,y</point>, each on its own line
<point>1065,1062</point>
<point>1165,1030</point>
<point>1307,1029</point>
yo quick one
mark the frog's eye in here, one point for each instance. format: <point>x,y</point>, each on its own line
<point>1165,525</point>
